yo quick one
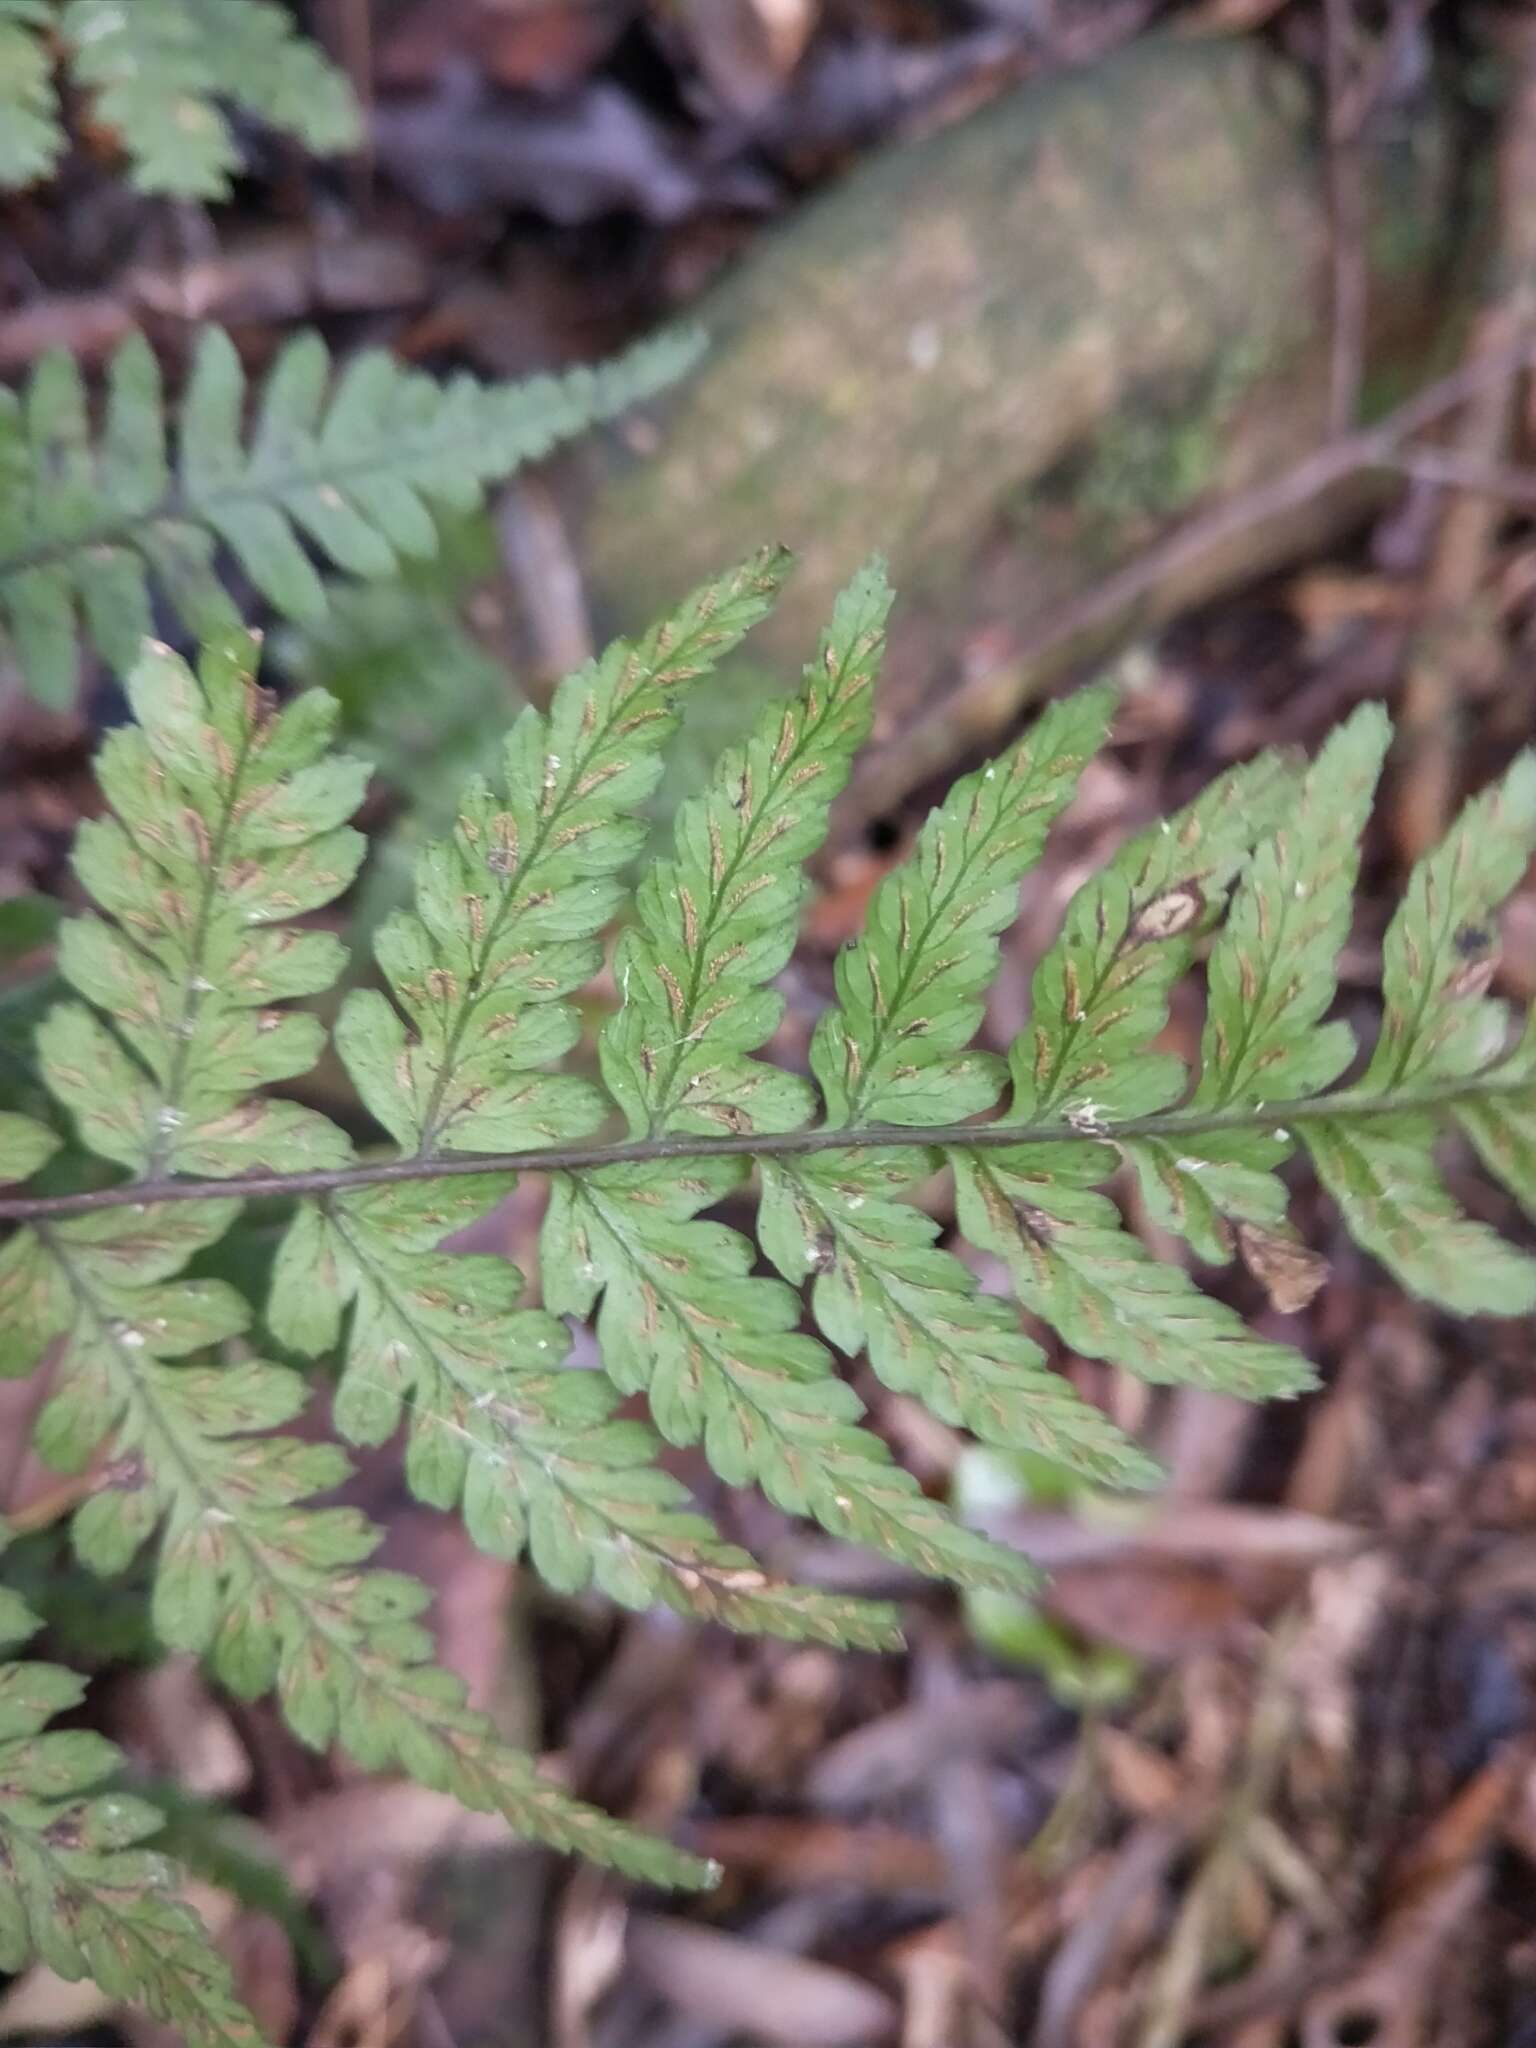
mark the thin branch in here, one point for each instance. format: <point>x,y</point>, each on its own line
<point>1513,484</point>
<point>1169,1123</point>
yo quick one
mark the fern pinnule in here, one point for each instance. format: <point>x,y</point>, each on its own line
<point>78,1890</point>
<point>1441,948</point>
<point>880,1285</point>
<point>718,918</point>
<point>508,911</point>
<point>226,823</point>
<point>911,988</point>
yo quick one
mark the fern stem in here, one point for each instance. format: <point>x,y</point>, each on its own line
<point>1347,1104</point>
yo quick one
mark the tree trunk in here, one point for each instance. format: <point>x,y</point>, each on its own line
<point>1011,353</point>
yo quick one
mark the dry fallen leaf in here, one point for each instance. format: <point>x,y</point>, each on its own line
<point>741,1987</point>
<point>1288,1272</point>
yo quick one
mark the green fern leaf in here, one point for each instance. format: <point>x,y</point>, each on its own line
<point>714,1347</point>
<point>507,913</point>
<point>249,1572</point>
<point>78,1891</point>
<point>227,821</point>
<point>1074,1265</point>
<point>359,468</point>
<point>1439,1027</point>
<point>31,138</point>
<point>532,1453</point>
<point>504,927</point>
<point>911,988</point>
<point>25,1145</point>
<point>896,1050</point>
<point>1100,994</point>
<point>717,1353</point>
<point>1270,979</point>
<point>720,917</point>
<point>1271,974</point>
<point>879,1284</point>
<point>1442,945</point>
<point>158,67</point>
<point>1384,1179</point>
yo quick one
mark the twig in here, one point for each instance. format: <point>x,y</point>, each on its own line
<point>1508,1077</point>
<point>1491,480</point>
<point>1079,1964</point>
<point>1429,742</point>
<point>985,702</point>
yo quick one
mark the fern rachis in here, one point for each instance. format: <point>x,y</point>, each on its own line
<point>229,827</point>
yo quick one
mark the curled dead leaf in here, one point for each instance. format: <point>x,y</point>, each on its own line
<point>1288,1272</point>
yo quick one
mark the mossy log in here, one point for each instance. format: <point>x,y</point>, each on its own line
<point>1010,353</point>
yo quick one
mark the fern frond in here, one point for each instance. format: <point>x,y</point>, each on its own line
<point>1393,1202</point>
<point>507,913</point>
<point>1100,995</point>
<point>156,70</point>
<point>719,918</point>
<point>228,821</point>
<point>1441,947</point>
<point>357,467</point>
<point>896,1049</point>
<point>1075,1265</point>
<point>533,1454</point>
<point>31,136</point>
<point>78,1891</point>
<point>911,988</point>
<point>718,1354</point>
<point>714,1347</point>
<point>505,928</point>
